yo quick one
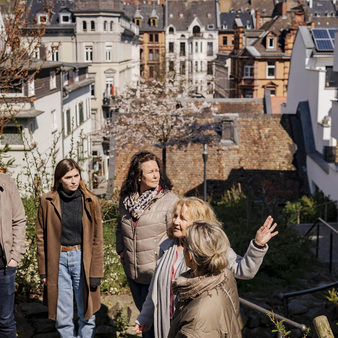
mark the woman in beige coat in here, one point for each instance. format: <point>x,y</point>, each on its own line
<point>70,250</point>
<point>146,205</point>
<point>208,299</point>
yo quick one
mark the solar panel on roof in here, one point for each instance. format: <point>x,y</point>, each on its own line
<point>324,44</point>
<point>331,32</point>
<point>324,39</point>
<point>320,34</point>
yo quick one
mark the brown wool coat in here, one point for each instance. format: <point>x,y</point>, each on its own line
<point>48,238</point>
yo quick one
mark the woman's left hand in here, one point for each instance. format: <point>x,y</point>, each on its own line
<point>12,263</point>
<point>265,232</point>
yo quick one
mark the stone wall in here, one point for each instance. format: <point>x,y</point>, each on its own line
<point>262,159</point>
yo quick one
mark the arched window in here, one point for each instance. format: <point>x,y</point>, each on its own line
<point>111,25</point>
<point>171,30</point>
<point>196,30</point>
<point>105,26</point>
<point>92,25</point>
<point>84,26</point>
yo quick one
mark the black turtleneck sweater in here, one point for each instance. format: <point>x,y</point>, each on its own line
<point>71,211</point>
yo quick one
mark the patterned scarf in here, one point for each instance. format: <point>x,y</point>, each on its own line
<point>136,204</point>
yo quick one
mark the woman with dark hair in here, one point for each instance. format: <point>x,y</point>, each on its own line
<point>146,205</point>
<point>70,250</point>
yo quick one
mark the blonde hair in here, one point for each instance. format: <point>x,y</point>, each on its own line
<point>208,245</point>
<point>198,210</point>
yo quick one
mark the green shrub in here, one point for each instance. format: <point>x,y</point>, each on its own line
<point>27,277</point>
<point>308,208</point>
<point>289,253</point>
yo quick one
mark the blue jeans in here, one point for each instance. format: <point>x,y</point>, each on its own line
<point>70,283</point>
<point>7,288</point>
<point>139,293</point>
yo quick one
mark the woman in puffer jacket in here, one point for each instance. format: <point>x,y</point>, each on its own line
<point>145,214</point>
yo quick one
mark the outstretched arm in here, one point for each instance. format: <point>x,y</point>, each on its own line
<point>247,266</point>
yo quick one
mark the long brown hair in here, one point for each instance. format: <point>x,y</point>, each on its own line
<point>62,168</point>
<point>131,183</point>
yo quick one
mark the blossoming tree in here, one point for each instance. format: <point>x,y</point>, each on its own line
<point>153,112</point>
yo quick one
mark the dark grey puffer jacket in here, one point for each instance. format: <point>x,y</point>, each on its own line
<point>140,242</point>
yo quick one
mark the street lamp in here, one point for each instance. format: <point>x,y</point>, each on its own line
<point>205,158</point>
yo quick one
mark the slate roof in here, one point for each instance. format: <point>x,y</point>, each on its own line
<point>147,11</point>
<point>276,26</point>
<point>37,7</point>
<point>227,20</point>
<point>266,7</point>
<point>98,5</point>
<point>325,21</point>
<point>323,7</point>
<point>182,13</point>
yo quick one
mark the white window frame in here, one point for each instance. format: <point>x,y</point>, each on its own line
<point>248,71</point>
<point>271,66</point>
<point>269,44</point>
<point>92,90</point>
<point>52,80</point>
<point>109,83</point>
<point>55,53</point>
<point>42,16</point>
<point>88,53</point>
<point>76,75</point>
<point>31,87</point>
<point>109,49</point>
<point>62,16</point>
<point>53,119</point>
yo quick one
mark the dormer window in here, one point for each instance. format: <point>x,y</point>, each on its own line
<point>137,21</point>
<point>153,22</point>
<point>271,43</point>
<point>65,18</point>
<point>42,18</point>
<point>196,30</point>
<point>211,26</point>
<point>171,30</point>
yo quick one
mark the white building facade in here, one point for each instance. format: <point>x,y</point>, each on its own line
<point>192,43</point>
<point>312,93</point>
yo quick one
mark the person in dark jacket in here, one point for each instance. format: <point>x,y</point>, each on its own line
<point>70,250</point>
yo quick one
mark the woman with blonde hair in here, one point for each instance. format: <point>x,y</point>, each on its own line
<point>208,299</point>
<point>159,305</point>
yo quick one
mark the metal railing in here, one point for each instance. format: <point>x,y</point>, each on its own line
<point>285,296</point>
<point>258,308</point>
<point>333,231</point>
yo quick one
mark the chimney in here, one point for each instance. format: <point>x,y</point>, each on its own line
<point>284,8</point>
<point>258,19</point>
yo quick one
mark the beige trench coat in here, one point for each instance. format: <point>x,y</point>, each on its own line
<point>48,238</point>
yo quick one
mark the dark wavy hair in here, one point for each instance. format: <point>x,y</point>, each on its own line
<point>131,184</point>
